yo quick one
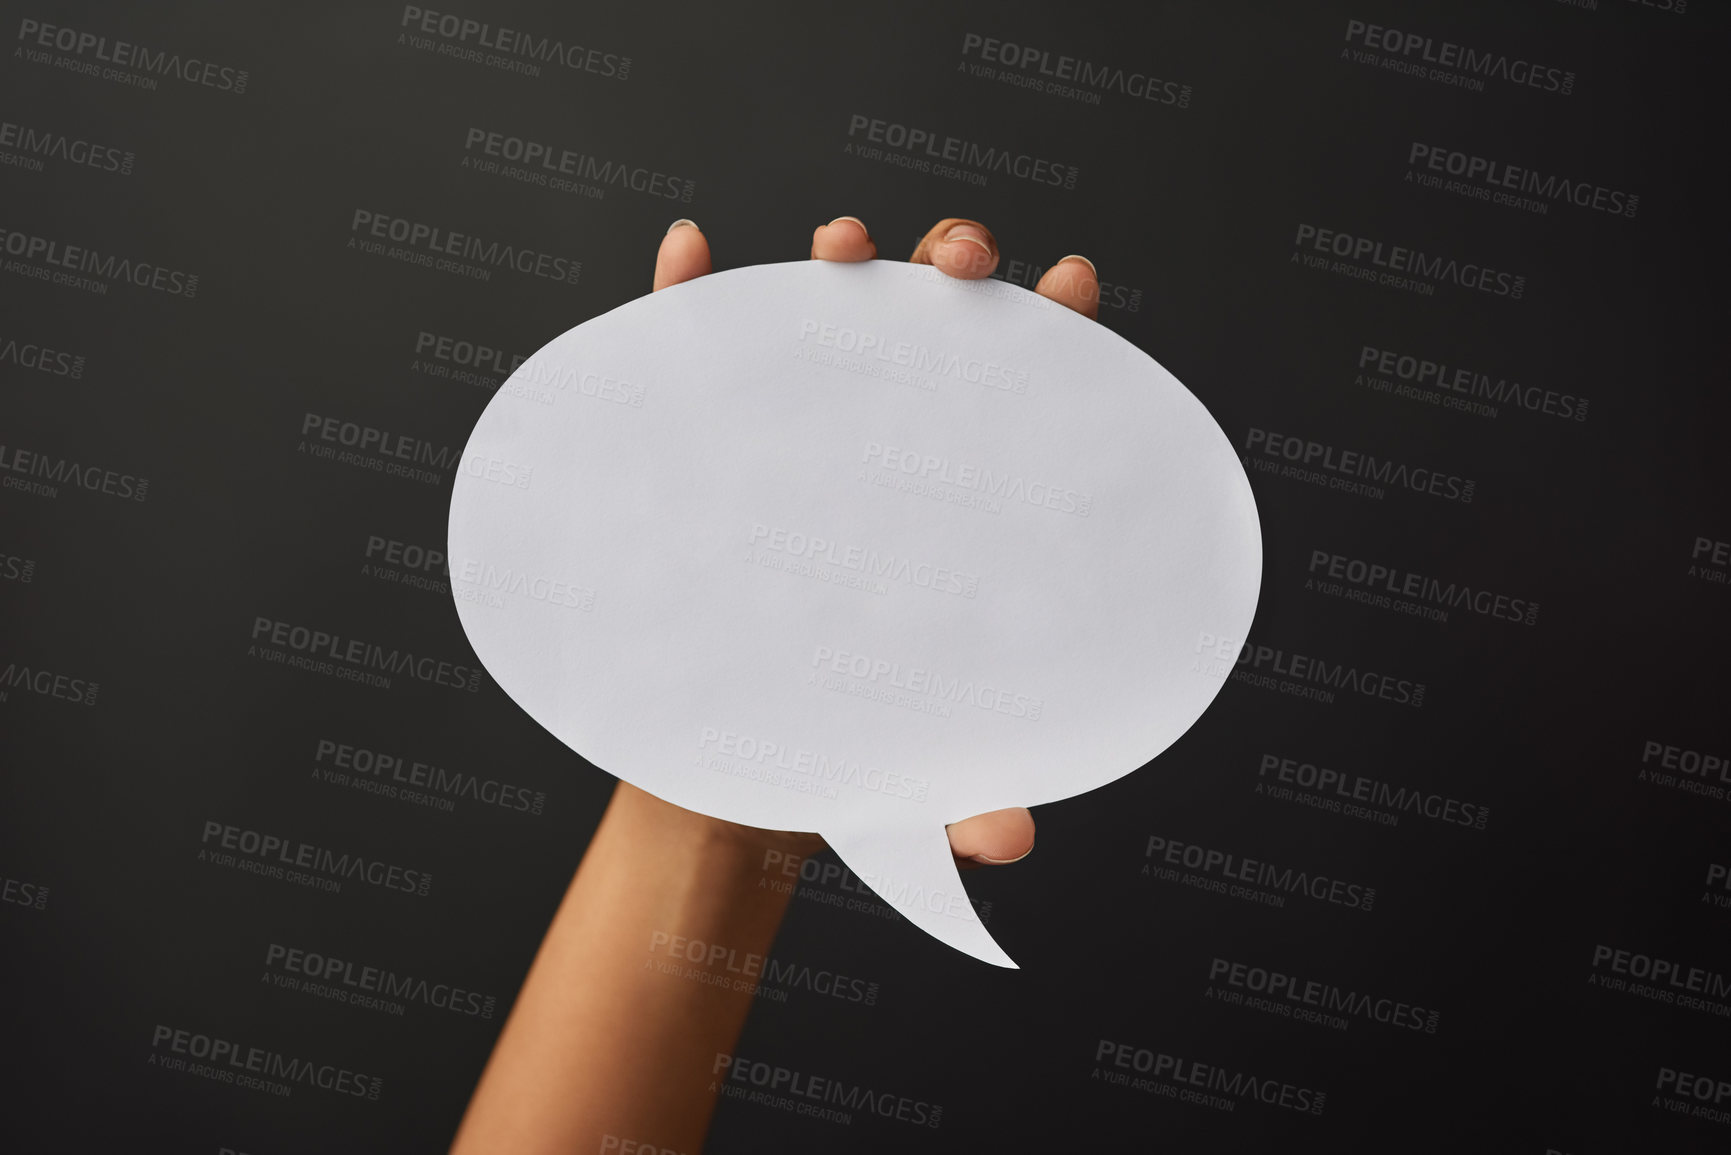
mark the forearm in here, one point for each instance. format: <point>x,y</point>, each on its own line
<point>601,1042</point>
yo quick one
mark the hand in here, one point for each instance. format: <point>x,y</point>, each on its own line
<point>959,248</point>
<point>605,1039</point>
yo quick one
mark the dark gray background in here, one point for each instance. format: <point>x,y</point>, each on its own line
<point>1196,208</point>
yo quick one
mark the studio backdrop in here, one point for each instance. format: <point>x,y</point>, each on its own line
<point>1446,865</point>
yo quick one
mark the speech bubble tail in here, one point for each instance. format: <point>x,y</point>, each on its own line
<point>913,871</point>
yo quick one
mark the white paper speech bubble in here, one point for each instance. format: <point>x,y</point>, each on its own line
<point>858,549</point>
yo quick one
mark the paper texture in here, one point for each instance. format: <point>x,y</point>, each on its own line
<point>855,548</point>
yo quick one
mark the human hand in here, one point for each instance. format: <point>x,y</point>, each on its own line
<point>602,1041</point>
<point>960,248</point>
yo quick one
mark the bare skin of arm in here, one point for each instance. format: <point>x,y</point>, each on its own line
<point>602,1048</point>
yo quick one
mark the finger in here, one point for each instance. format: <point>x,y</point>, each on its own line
<point>961,248</point>
<point>684,255</point>
<point>994,838</point>
<point>843,239</point>
<point>1073,283</point>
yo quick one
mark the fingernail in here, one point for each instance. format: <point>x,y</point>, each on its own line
<point>857,221</point>
<point>969,233</point>
<point>1084,260</point>
<point>682,221</point>
<point>1003,861</point>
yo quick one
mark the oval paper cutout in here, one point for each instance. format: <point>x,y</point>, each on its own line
<point>859,549</point>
